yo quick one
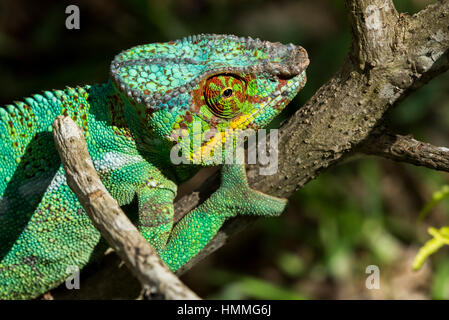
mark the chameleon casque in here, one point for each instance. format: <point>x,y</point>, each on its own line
<point>219,81</point>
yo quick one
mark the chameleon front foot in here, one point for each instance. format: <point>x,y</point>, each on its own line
<point>242,198</point>
<point>199,226</point>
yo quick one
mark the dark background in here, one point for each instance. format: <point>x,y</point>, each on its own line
<point>363,212</point>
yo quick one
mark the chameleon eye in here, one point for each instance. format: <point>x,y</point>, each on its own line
<point>225,95</point>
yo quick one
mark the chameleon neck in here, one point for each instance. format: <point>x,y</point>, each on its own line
<point>112,123</point>
<point>135,121</point>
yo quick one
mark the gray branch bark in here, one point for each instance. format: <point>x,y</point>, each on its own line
<point>406,149</point>
<point>109,219</point>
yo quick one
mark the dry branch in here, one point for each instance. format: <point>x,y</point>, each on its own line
<point>406,149</point>
<point>107,216</point>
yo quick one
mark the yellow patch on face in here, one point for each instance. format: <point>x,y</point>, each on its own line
<point>204,152</point>
<point>243,119</point>
<point>219,139</point>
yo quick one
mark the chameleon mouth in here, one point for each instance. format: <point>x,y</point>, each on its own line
<point>289,90</point>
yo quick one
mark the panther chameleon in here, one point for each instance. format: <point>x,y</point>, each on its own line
<point>216,81</point>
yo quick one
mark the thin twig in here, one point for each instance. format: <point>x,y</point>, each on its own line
<point>406,149</point>
<point>107,216</point>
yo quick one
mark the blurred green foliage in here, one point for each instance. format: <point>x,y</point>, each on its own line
<point>437,197</point>
<point>360,213</point>
<point>235,286</point>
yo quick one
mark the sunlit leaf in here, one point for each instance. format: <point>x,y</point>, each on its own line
<point>440,238</point>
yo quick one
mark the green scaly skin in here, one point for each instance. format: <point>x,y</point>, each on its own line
<point>217,82</point>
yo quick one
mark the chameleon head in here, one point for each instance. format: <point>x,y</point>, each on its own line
<point>209,83</point>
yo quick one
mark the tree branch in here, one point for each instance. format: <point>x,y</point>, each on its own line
<point>406,149</point>
<point>371,21</point>
<point>107,216</point>
<point>387,61</point>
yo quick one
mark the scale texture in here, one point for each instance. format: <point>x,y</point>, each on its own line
<point>158,95</point>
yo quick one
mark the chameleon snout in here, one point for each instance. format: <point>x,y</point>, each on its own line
<point>294,61</point>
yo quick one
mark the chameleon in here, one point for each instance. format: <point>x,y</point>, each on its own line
<point>213,82</point>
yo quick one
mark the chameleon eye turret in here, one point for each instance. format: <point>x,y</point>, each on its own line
<point>225,95</point>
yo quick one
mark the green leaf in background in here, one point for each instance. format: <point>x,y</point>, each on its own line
<point>383,245</point>
<point>437,197</point>
<point>247,287</point>
<point>290,263</point>
<point>261,289</point>
<point>440,238</point>
<point>440,283</point>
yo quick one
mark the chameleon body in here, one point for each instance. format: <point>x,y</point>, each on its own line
<point>213,81</point>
